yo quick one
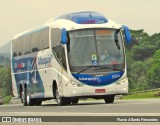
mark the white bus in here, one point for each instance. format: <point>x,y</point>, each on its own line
<point>76,55</point>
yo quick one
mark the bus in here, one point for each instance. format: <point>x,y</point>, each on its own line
<point>73,56</point>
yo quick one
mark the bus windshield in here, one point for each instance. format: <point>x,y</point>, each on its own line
<point>95,48</point>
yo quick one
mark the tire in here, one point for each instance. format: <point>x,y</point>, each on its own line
<point>24,96</point>
<point>109,99</point>
<point>27,100</point>
<point>61,101</point>
<point>75,101</point>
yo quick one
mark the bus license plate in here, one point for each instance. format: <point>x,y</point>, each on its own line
<point>100,91</point>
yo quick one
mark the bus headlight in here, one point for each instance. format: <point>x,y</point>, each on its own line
<point>123,81</point>
<point>75,84</point>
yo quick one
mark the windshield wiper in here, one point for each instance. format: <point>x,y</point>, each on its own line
<point>117,69</point>
<point>88,67</point>
<point>105,67</point>
<point>102,67</point>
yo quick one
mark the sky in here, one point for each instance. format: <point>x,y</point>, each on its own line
<point>20,15</point>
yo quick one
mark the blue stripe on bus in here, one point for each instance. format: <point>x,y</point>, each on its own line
<point>98,80</point>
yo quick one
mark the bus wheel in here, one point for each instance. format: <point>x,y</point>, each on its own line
<point>24,96</point>
<point>28,100</point>
<point>61,100</point>
<point>21,94</point>
<point>75,101</point>
<point>109,99</point>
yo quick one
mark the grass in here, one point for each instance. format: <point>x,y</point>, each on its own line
<point>6,99</point>
<point>145,95</point>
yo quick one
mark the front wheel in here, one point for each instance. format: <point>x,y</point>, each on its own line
<point>109,99</point>
<point>61,100</point>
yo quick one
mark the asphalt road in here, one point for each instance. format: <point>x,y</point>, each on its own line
<point>88,107</point>
<point>130,108</point>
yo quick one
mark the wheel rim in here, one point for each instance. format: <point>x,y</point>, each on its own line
<point>28,99</point>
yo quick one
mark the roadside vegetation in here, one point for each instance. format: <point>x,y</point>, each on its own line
<point>6,99</point>
<point>5,84</point>
<point>143,61</point>
<point>145,95</point>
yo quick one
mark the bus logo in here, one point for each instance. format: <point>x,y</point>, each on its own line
<point>21,65</point>
<point>99,21</point>
<point>44,61</point>
<point>90,79</point>
<point>116,76</point>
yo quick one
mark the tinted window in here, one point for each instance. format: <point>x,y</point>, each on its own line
<point>35,42</point>
<point>45,39</point>
<point>27,44</point>
<point>57,48</point>
<point>14,48</point>
<point>19,46</point>
<point>55,37</point>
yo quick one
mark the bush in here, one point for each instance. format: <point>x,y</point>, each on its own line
<point>6,99</point>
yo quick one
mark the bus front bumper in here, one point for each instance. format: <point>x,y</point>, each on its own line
<point>118,88</point>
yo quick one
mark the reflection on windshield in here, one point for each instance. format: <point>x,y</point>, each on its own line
<point>95,47</point>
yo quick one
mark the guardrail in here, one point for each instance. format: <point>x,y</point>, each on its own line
<point>150,90</point>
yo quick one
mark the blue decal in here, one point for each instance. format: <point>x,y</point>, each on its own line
<point>25,69</point>
<point>87,17</point>
<point>98,80</point>
<point>44,61</point>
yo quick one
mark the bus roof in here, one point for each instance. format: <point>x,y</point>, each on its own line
<point>72,21</point>
<point>79,20</point>
<point>87,17</point>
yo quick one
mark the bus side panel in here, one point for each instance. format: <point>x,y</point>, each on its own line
<point>25,72</point>
<point>44,59</point>
<point>50,70</point>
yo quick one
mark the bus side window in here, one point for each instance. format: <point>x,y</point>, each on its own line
<point>27,44</point>
<point>35,42</point>
<point>44,39</point>
<point>63,57</point>
<point>19,46</point>
<point>14,48</point>
<point>57,48</point>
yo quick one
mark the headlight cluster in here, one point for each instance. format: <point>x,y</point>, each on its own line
<point>123,81</point>
<point>75,84</point>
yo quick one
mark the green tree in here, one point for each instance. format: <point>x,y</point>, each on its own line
<point>143,69</point>
<point>5,81</point>
<point>153,74</point>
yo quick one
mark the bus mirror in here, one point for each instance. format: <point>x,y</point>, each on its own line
<point>127,34</point>
<point>63,36</point>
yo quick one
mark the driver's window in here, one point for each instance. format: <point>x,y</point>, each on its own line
<point>57,47</point>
